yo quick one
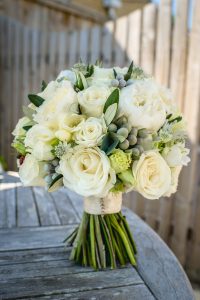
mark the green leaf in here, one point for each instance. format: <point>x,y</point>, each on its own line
<point>110,113</point>
<point>27,127</point>
<point>113,98</point>
<point>127,76</point>
<point>19,147</point>
<point>115,73</point>
<point>55,180</point>
<point>36,100</point>
<point>90,71</point>
<point>98,63</point>
<point>44,85</point>
<point>121,138</point>
<point>109,143</point>
<point>83,80</point>
<point>177,119</point>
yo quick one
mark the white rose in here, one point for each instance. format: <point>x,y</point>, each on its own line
<point>90,132</point>
<point>42,151</point>
<point>176,155</point>
<point>31,172</point>
<point>175,172</point>
<point>60,97</point>
<point>105,75</point>
<point>87,171</point>
<point>38,133</point>
<point>19,127</point>
<point>152,174</point>
<point>67,74</point>
<point>142,104</point>
<point>92,100</point>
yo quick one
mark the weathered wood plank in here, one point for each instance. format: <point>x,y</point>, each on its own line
<point>33,237</point>
<point>70,283</point>
<point>26,209</point>
<point>157,265</point>
<point>46,207</point>
<point>64,207</point>
<point>136,292</point>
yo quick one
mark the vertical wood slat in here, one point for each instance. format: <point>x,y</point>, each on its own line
<point>189,180</point>
<point>134,36</point>
<point>95,43</point>
<point>148,35</point>
<point>162,62</point>
<point>179,51</point>
<point>120,37</point>
<point>107,44</point>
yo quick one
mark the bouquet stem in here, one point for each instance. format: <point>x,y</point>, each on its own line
<point>102,241</point>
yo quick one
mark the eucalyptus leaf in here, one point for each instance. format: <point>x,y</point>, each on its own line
<point>109,143</point>
<point>110,113</point>
<point>113,98</point>
<point>44,85</point>
<point>121,138</point>
<point>35,99</point>
<point>127,76</point>
<point>115,73</point>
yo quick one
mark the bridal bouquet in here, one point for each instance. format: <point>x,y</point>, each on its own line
<point>101,132</point>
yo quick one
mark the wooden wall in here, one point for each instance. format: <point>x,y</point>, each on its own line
<point>37,44</point>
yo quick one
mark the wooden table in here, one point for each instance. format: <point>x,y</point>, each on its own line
<point>35,265</point>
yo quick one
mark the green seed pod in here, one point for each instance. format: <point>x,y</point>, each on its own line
<point>123,131</point>
<point>121,121</point>
<point>135,152</point>
<point>122,83</point>
<point>127,126</point>
<point>115,83</point>
<point>143,133</point>
<point>55,162</point>
<point>132,139</point>
<point>140,148</point>
<point>124,145</point>
<point>48,179</point>
<point>134,131</point>
<point>112,127</point>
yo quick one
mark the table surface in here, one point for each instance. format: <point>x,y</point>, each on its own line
<point>35,265</point>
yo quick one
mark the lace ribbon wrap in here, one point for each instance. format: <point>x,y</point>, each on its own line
<point>111,204</point>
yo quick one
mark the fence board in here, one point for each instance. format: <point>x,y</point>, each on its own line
<point>107,44</point>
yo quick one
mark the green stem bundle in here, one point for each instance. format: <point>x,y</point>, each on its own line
<point>102,241</point>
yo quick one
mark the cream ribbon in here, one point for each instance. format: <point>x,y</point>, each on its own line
<point>111,204</point>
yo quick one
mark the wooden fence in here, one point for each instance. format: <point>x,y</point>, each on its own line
<point>163,45</point>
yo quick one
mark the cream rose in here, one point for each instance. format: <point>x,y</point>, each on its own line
<point>176,155</point>
<point>87,171</point>
<point>152,174</point>
<point>92,100</point>
<point>31,172</point>
<point>175,172</point>
<point>42,151</point>
<point>90,132</point>
<point>59,97</point>
<point>19,127</point>
<point>141,102</point>
<point>38,133</point>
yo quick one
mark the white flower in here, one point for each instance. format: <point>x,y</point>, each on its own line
<point>175,172</point>
<point>42,151</point>
<point>166,96</point>
<point>152,174</point>
<point>105,75</point>
<point>60,97</point>
<point>92,100</point>
<point>176,155</point>
<point>38,133</point>
<point>143,105</point>
<point>90,132</point>
<point>87,171</point>
<point>19,127</point>
<point>70,122</point>
<point>67,74</point>
<point>31,172</point>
